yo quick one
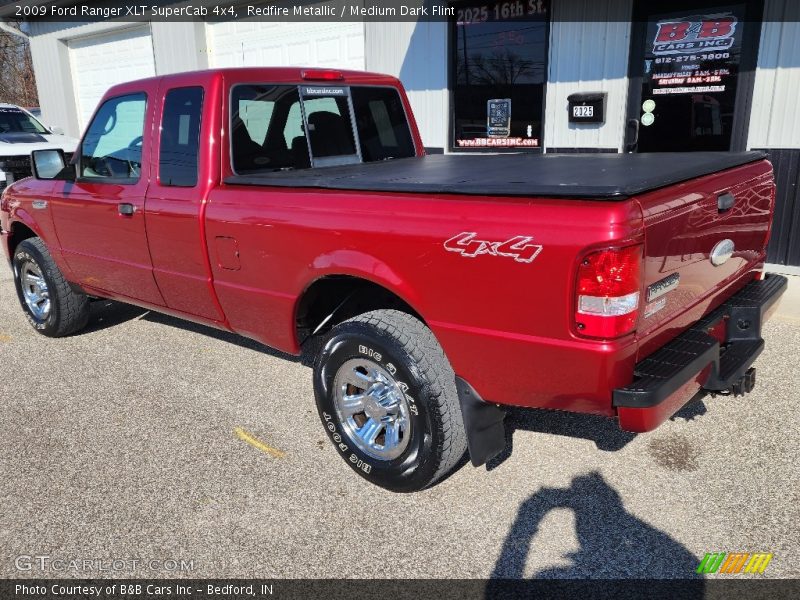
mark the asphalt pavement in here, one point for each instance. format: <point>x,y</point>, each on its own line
<point>198,453</point>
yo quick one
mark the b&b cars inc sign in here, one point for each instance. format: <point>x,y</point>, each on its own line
<point>695,34</point>
<point>697,54</point>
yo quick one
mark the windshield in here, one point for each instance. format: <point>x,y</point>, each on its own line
<point>14,120</point>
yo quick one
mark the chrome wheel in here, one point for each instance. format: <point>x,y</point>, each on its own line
<point>372,409</point>
<point>34,290</point>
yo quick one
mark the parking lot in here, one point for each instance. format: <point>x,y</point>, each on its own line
<point>126,442</point>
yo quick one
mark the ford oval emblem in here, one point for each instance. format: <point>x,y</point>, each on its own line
<point>721,252</point>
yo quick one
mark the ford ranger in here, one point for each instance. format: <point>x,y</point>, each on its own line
<point>298,205</point>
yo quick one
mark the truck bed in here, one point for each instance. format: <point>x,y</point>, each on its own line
<point>596,176</point>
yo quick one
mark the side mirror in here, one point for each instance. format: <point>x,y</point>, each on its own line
<point>57,130</point>
<point>50,164</point>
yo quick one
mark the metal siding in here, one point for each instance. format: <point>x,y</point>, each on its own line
<point>416,53</point>
<point>774,122</point>
<point>589,47</point>
<point>54,84</point>
<point>784,244</point>
<point>179,46</point>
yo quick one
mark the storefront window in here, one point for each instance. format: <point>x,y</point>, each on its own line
<point>499,62</point>
<point>690,78</point>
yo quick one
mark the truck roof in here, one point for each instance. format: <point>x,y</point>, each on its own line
<point>271,75</point>
<point>590,176</point>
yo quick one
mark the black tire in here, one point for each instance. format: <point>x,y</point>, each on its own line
<point>69,310</point>
<point>402,345</point>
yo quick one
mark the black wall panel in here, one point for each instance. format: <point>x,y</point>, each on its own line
<point>784,246</point>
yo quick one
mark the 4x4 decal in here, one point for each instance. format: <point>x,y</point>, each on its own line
<point>519,247</point>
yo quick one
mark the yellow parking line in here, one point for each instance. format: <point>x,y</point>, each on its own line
<point>5,337</point>
<point>255,442</point>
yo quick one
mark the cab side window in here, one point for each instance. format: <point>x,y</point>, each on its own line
<point>112,147</point>
<point>179,150</point>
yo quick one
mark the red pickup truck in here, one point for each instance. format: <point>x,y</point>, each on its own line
<point>290,205</point>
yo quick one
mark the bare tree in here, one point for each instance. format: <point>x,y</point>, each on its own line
<point>17,82</point>
<point>500,68</point>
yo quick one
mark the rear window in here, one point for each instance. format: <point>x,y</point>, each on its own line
<point>329,124</point>
<point>382,124</point>
<point>267,129</point>
<point>283,127</point>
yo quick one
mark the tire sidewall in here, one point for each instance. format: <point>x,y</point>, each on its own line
<point>28,252</point>
<point>417,464</point>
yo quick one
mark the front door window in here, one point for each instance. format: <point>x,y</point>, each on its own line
<point>112,147</point>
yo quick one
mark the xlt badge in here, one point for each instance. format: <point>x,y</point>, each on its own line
<point>662,286</point>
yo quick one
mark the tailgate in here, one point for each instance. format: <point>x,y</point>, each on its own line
<point>703,240</point>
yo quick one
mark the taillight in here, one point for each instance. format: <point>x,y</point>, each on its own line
<point>607,292</point>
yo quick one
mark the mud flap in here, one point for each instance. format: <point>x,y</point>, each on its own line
<point>483,422</point>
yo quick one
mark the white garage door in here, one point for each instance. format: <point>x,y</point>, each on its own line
<point>100,61</point>
<point>262,44</point>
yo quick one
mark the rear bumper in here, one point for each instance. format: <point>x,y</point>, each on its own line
<point>713,355</point>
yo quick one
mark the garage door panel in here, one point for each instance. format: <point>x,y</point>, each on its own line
<point>300,53</point>
<point>331,46</point>
<point>257,44</point>
<point>96,63</point>
<point>355,47</point>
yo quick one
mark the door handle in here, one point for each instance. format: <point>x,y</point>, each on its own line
<point>632,135</point>
<point>725,201</point>
<point>126,209</point>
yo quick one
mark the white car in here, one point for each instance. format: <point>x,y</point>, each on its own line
<point>20,134</point>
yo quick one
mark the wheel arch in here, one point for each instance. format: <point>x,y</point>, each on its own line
<point>20,231</point>
<point>24,228</point>
<point>334,297</point>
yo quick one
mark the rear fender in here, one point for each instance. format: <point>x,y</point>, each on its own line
<point>364,266</point>
<point>360,266</point>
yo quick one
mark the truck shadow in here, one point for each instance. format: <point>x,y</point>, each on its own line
<point>224,336</point>
<point>614,544</point>
<point>603,431</point>
<point>108,313</point>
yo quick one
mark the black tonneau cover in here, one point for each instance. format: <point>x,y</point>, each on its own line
<point>612,176</point>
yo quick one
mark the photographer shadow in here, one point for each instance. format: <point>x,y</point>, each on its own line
<point>614,544</point>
